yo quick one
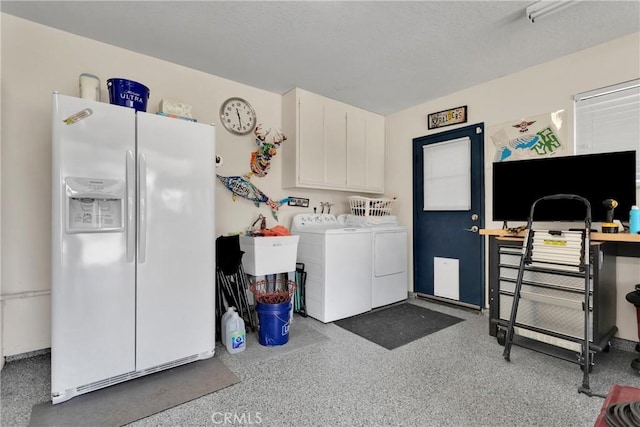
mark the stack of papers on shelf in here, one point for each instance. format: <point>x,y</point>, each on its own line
<point>560,250</point>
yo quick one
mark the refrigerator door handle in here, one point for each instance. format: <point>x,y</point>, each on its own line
<point>142,208</point>
<point>131,190</point>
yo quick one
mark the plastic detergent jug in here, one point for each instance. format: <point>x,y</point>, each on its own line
<point>234,333</point>
<point>223,323</point>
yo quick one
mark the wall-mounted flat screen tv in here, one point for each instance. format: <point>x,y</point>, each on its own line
<point>596,177</point>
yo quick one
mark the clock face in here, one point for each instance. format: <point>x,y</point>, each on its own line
<point>238,116</point>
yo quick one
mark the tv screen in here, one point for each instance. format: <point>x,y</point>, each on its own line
<point>596,177</point>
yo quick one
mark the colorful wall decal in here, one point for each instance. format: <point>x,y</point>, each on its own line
<point>538,136</point>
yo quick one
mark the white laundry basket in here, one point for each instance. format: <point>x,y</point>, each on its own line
<point>364,206</point>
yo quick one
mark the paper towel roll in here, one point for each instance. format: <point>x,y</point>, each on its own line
<point>89,87</point>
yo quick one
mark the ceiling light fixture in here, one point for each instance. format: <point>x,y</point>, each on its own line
<point>544,8</point>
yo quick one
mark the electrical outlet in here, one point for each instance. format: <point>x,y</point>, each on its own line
<point>299,201</point>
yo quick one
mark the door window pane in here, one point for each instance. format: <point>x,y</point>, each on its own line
<point>447,175</point>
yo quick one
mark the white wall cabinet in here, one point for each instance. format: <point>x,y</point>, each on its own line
<point>365,151</point>
<point>331,145</point>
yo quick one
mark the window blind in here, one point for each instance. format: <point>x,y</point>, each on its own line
<point>608,119</point>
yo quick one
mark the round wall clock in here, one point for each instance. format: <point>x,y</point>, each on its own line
<point>238,116</point>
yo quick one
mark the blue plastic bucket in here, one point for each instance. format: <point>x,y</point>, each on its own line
<point>128,94</point>
<point>273,322</point>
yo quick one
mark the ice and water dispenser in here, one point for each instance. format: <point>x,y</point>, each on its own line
<point>94,205</point>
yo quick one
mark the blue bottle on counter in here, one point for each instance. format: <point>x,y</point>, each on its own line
<point>634,220</point>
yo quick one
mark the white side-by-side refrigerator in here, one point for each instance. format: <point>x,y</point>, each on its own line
<point>133,245</point>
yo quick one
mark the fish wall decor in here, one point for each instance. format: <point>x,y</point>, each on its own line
<point>240,186</point>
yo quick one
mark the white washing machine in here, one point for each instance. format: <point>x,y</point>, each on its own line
<point>338,263</point>
<point>389,252</point>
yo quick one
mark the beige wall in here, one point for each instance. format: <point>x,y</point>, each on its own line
<point>542,89</point>
<point>37,60</point>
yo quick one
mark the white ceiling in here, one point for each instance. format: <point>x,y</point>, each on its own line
<point>383,56</point>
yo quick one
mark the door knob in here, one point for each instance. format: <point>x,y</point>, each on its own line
<point>473,229</point>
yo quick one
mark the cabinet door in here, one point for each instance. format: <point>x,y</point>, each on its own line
<point>365,141</point>
<point>375,153</point>
<point>335,142</point>
<point>357,150</point>
<point>311,157</point>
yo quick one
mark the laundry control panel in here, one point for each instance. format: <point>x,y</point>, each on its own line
<point>315,220</point>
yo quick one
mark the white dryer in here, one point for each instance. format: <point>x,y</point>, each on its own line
<point>338,263</point>
<point>389,253</point>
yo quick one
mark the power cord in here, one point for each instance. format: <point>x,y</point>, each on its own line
<point>623,414</point>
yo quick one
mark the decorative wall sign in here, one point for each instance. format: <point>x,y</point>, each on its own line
<point>450,117</point>
<point>529,137</point>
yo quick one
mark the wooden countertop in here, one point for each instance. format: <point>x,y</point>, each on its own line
<point>595,236</point>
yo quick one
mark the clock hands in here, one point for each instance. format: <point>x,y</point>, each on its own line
<point>239,119</point>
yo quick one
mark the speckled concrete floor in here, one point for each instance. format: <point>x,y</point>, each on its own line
<point>327,376</point>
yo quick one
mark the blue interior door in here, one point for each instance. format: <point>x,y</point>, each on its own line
<point>448,200</point>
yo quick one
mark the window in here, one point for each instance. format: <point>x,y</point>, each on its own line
<point>608,119</point>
